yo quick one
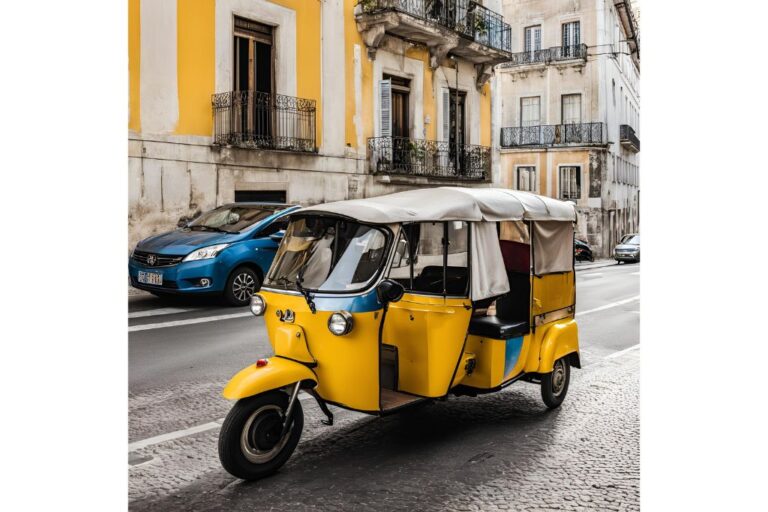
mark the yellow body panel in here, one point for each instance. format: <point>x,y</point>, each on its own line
<point>291,342</point>
<point>277,373</point>
<point>552,292</point>
<point>347,366</point>
<point>562,338</point>
<point>429,333</point>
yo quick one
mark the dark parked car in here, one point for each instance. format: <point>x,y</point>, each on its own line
<point>628,249</point>
<point>582,251</point>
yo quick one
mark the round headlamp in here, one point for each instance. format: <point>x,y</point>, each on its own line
<point>340,323</point>
<point>258,304</point>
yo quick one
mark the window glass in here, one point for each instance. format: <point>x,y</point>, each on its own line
<point>232,219</point>
<point>331,255</point>
<point>530,111</point>
<point>526,176</point>
<point>570,182</point>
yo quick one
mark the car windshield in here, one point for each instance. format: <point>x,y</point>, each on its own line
<point>332,255</point>
<point>633,240</point>
<point>232,218</point>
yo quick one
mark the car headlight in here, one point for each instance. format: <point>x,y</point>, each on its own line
<point>340,323</point>
<point>258,304</point>
<point>206,253</point>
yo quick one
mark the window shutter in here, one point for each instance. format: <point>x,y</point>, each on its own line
<point>566,30</point>
<point>576,36</point>
<point>385,108</point>
<point>537,38</point>
<point>446,115</point>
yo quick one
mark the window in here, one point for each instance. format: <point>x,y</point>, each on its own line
<point>254,60</point>
<point>571,108</point>
<point>526,178</point>
<point>395,93</point>
<point>253,79</point>
<point>530,111</point>
<point>421,253</point>
<point>330,255</point>
<point>532,42</point>
<point>570,182</point>
<point>571,38</point>
<point>274,227</point>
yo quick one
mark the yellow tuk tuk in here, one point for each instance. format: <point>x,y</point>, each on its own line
<point>378,304</point>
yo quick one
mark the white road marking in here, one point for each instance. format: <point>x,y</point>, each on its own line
<point>170,436</point>
<point>609,306</point>
<point>635,274</point>
<point>138,445</point>
<point>157,312</point>
<point>622,352</point>
<point>189,321</point>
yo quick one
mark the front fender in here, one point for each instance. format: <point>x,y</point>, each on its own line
<point>561,339</point>
<point>277,373</point>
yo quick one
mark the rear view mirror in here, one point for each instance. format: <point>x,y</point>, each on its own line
<point>389,291</point>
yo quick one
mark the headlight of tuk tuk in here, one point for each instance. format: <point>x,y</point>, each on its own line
<point>340,323</point>
<point>258,304</point>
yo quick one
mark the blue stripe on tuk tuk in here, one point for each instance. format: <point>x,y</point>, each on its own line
<point>358,304</point>
<point>512,353</point>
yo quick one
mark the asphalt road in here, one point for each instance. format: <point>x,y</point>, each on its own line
<point>182,352</point>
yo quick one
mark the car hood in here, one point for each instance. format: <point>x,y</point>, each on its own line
<point>627,247</point>
<point>184,241</point>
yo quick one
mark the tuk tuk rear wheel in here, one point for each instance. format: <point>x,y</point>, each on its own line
<point>250,446</point>
<point>554,385</point>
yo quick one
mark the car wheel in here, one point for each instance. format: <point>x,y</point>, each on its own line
<point>554,385</point>
<point>241,285</point>
<point>250,446</point>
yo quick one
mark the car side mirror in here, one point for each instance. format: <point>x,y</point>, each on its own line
<point>277,236</point>
<point>389,291</point>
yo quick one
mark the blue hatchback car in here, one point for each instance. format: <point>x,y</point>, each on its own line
<point>225,251</point>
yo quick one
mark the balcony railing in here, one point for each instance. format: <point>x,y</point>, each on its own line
<point>547,55</point>
<point>429,158</point>
<point>628,138</point>
<point>468,18</point>
<point>260,120</point>
<point>553,135</point>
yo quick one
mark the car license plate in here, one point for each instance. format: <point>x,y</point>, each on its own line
<point>151,278</point>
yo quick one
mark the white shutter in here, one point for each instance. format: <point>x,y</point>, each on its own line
<point>446,115</point>
<point>385,108</point>
<point>537,38</point>
<point>528,39</point>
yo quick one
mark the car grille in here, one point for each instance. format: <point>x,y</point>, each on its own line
<point>161,260</point>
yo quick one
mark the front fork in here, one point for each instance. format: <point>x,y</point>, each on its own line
<point>291,404</point>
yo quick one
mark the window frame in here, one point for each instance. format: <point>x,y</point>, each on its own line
<point>560,169</point>
<point>522,111</point>
<point>444,246</point>
<point>532,177</point>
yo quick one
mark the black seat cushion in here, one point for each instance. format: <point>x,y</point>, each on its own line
<point>493,327</point>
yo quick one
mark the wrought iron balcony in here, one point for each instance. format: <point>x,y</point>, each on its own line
<point>429,158</point>
<point>553,135</point>
<point>548,55</point>
<point>628,138</point>
<point>453,25</point>
<point>260,120</point>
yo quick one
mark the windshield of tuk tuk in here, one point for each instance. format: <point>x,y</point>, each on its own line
<point>330,255</point>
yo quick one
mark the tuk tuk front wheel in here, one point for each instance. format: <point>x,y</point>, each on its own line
<point>554,385</point>
<point>250,446</point>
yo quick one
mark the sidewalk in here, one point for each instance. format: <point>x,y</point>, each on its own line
<point>584,265</point>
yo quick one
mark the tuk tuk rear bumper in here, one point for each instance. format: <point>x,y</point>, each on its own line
<point>277,373</point>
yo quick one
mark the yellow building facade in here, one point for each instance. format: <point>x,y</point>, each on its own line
<point>305,101</point>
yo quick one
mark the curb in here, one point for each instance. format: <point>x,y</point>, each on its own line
<point>595,264</point>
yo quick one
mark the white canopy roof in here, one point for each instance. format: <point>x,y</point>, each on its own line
<point>451,203</point>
